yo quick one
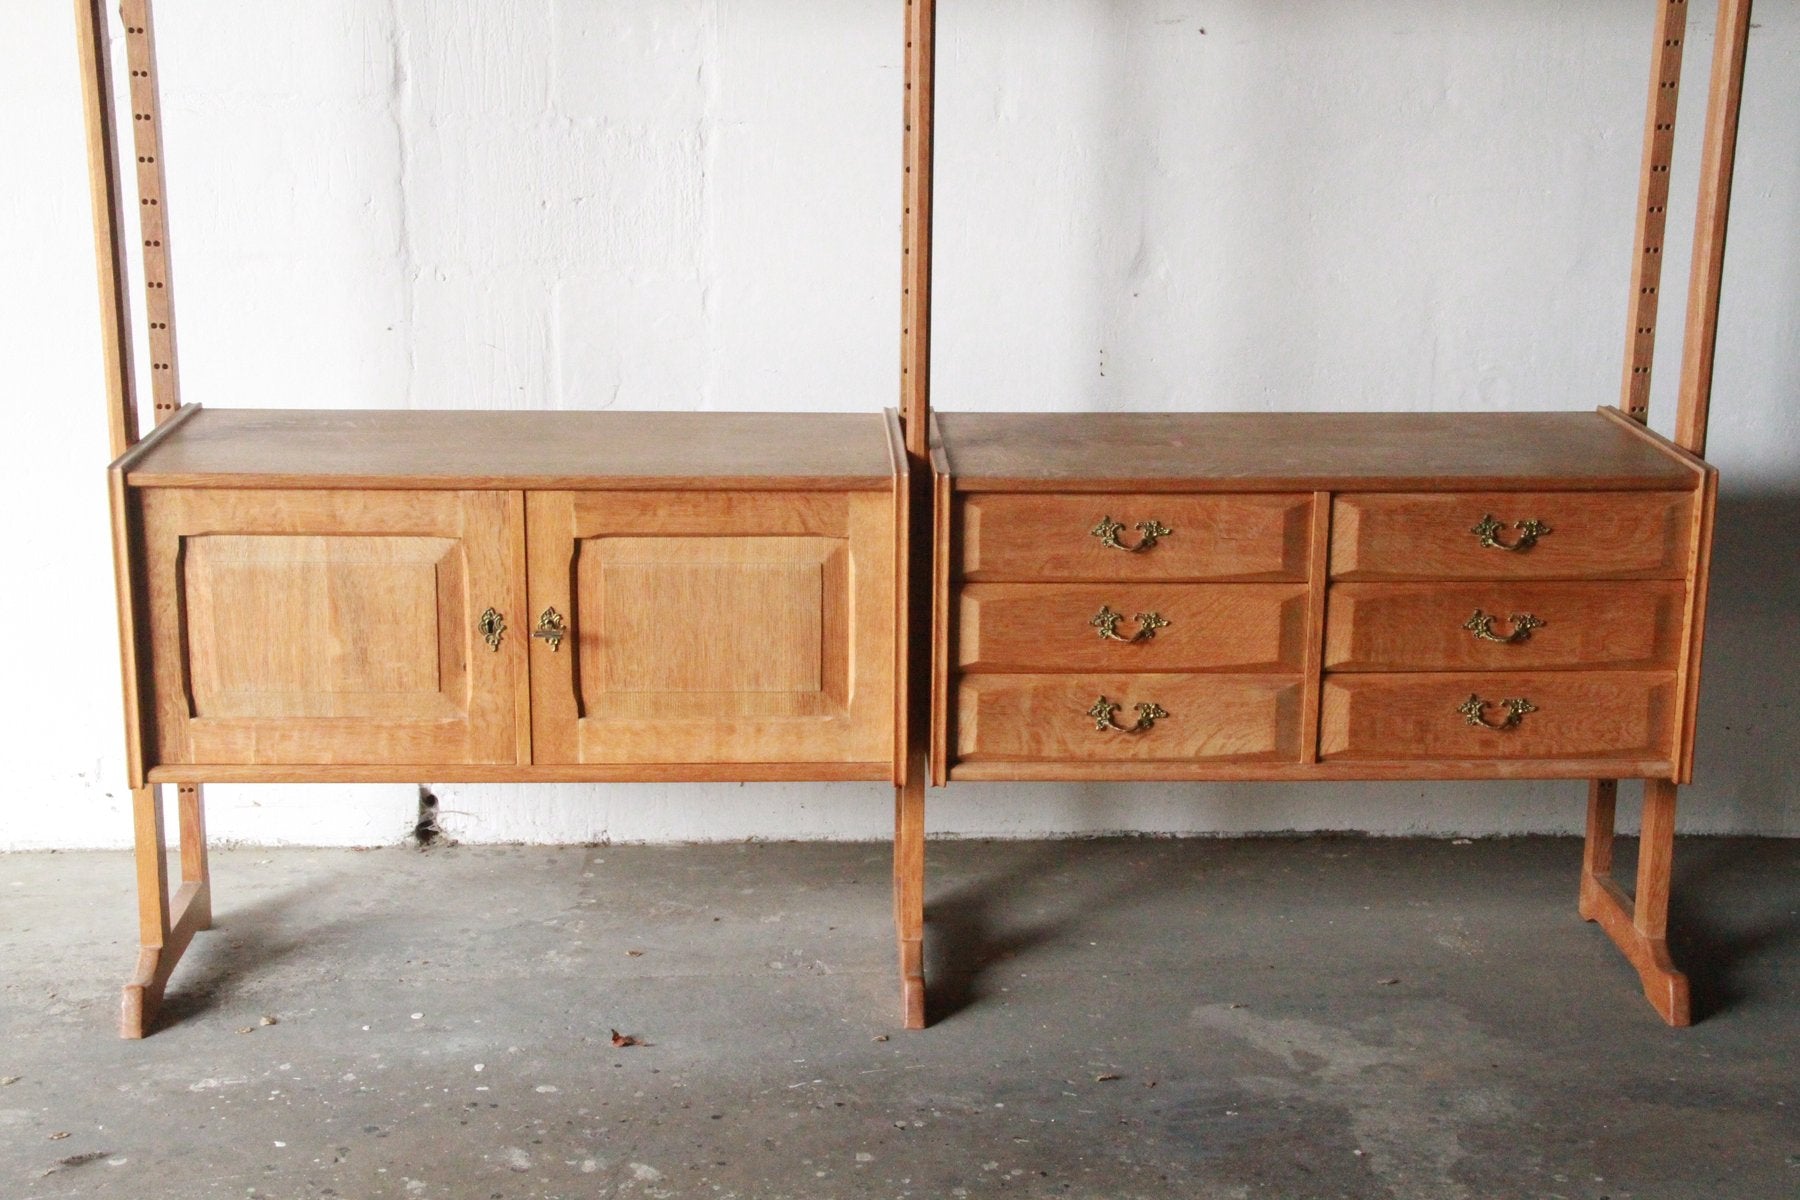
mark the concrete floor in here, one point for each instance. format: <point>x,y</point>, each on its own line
<point>1200,1019</point>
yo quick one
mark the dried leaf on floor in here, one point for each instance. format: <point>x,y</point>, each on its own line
<point>1107,1078</point>
<point>59,1136</point>
<point>268,1021</point>
<point>634,954</point>
<point>624,1039</point>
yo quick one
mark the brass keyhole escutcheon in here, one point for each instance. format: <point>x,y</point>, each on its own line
<point>492,626</point>
<point>1103,710</point>
<point>1474,710</point>
<point>1489,531</point>
<point>551,628</point>
<point>1108,531</point>
<point>1482,626</point>
<point>1106,621</point>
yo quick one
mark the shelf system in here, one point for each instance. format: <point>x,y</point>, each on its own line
<point>545,460</point>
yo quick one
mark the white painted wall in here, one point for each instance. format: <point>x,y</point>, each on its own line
<point>693,204</point>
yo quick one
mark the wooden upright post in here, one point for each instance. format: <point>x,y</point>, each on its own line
<point>1639,925</point>
<point>915,416</point>
<point>166,923</point>
<point>1653,207</point>
<point>915,233</point>
<point>109,232</point>
<point>1718,156</point>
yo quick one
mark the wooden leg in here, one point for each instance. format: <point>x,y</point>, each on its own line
<point>193,849</point>
<point>1639,927</point>
<point>909,891</point>
<point>1597,854</point>
<point>165,924</point>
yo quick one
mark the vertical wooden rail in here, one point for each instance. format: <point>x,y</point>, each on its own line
<point>915,410</point>
<point>1639,925</point>
<point>109,232</point>
<point>1653,207</point>
<point>153,209</point>
<point>166,923</point>
<point>915,234</point>
<point>1718,156</point>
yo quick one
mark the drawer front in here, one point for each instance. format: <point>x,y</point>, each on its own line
<point>1243,538</point>
<point>1244,718</point>
<point>1504,626</point>
<point>1132,627</point>
<point>1585,535</point>
<point>1624,715</point>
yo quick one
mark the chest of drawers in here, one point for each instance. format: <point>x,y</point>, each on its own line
<point>1349,596</point>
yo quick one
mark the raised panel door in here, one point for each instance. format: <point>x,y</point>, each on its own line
<point>304,628</point>
<point>712,627</point>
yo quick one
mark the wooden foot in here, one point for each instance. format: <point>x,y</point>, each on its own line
<point>144,994</point>
<point>1638,927</point>
<point>909,891</point>
<point>165,924</point>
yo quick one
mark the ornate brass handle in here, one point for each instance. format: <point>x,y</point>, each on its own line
<point>1108,531</point>
<point>1103,711</point>
<point>1529,532</point>
<point>1473,710</point>
<point>1482,626</point>
<point>492,625</point>
<point>551,627</point>
<point>1107,622</point>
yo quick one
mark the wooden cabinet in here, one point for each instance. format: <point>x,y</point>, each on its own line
<point>350,596</point>
<point>1530,608</point>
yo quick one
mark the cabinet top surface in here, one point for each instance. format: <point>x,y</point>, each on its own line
<point>475,449</point>
<point>1302,451</point>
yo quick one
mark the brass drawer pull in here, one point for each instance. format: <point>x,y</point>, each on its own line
<point>1108,531</point>
<point>1107,622</point>
<point>1482,626</point>
<point>492,625</point>
<point>1489,531</point>
<point>1103,711</point>
<point>1473,710</point>
<point>551,628</point>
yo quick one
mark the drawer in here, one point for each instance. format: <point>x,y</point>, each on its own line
<point>1625,715</point>
<point>1586,535</point>
<point>1061,627</point>
<point>1489,626</point>
<point>1245,718</point>
<point>1254,538</point>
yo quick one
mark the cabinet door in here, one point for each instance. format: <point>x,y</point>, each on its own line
<point>335,627</point>
<point>708,627</point>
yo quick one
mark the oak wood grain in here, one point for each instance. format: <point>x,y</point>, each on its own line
<point>321,448</point>
<point>1339,771</point>
<point>332,627</point>
<point>396,771</point>
<point>1403,536</point>
<point>1388,451</point>
<point>1242,538</point>
<point>1045,717</point>
<point>730,627</point>
<point>1628,715</point>
<point>1586,626</point>
<point>1718,155</point>
<point>1233,627</point>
